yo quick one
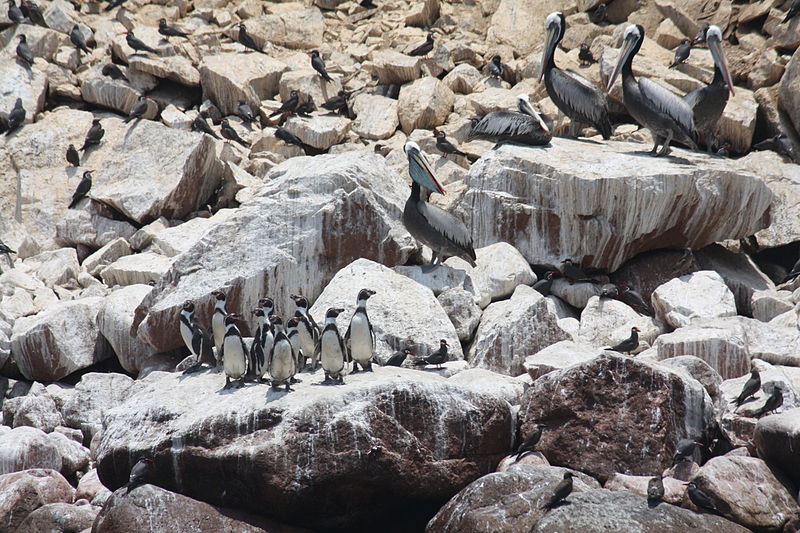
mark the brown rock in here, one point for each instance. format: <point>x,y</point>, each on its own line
<point>23,492</point>
<point>24,448</point>
<point>175,68</point>
<point>33,410</point>
<point>59,518</point>
<point>298,28</point>
<point>777,437</point>
<point>424,104</point>
<point>228,78</point>
<point>393,67</point>
<point>674,489</point>
<point>659,406</point>
<point>94,395</point>
<point>424,15</point>
<point>789,93</point>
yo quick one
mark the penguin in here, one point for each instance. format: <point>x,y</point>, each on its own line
<point>293,333</point>
<point>360,337</point>
<point>234,352</point>
<point>282,362</point>
<point>195,338</point>
<point>307,329</point>
<point>259,350</point>
<point>332,351</point>
<point>218,322</point>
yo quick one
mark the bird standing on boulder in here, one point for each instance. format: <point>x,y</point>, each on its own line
<point>337,103</point>
<point>774,401</point>
<point>360,337</point>
<point>307,328</point>
<point>24,51</point>
<point>94,135</point>
<point>438,358</point>
<point>113,71</point>
<point>282,361</point>
<point>234,352</point>
<point>82,190</point>
<point>543,285</point>
<point>32,11</point>
<point>562,490</point>
<point>794,9</point>
<point>73,157</point>
<point>780,144</point>
<point>195,338</point>
<point>398,358</point>
<point>752,386</point>
<point>229,133</point>
<point>634,300</point>
<point>218,321</point>
<point>445,146</point>
<point>78,40</point>
<point>246,40</point>
<point>138,45</point>
<point>524,126</point>
<point>288,105</point>
<point>496,67</point>
<point>699,498</point>
<point>629,344</point>
<point>14,13</point>
<point>681,53</point>
<point>684,450</point>
<point>138,110</point>
<point>529,444</point>
<point>245,112</point>
<point>141,472</point>
<point>585,55</point>
<point>332,351</point>
<point>319,65</point>
<point>573,272</point>
<point>290,138</point>
<point>168,31</point>
<point>15,117</point>
<point>199,124</point>
<point>423,49</point>
<point>655,490</point>
<point>261,348</point>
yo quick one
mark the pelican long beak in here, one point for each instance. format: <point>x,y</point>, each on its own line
<point>549,48</point>
<point>719,58</point>
<point>421,171</point>
<point>527,108</point>
<point>627,49</point>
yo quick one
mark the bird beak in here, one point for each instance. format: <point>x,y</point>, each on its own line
<point>526,107</point>
<point>627,49</point>
<point>422,173</point>
<point>549,48</point>
<point>719,58</point>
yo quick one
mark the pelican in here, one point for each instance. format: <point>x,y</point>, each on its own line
<point>524,127</point>
<point>708,102</point>
<point>574,95</point>
<point>666,115</point>
<point>436,228</point>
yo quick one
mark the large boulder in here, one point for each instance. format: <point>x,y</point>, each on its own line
<point>527,197</point>
<point>403,313</point>
<point>424,104</point>
<point>299,28</point>
<point>228,78</point>
<point>24,492</point>
<point>776,438</point>
<point>701,294</point>
<point>583,405</point>
<point>59,518</point>
<point>557,356</point>
<point>387,439</point>
<point>789,95</point>
<point>94,395</point>
<point>24,448</point>
<point>314,216</point>
<point>606,322</point>
<point>60,340</point>
<point>115,319</point>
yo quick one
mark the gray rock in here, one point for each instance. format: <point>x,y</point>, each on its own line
<point>115,320</point>
<point>487,382</point>
<point>500,269</point>
<point>376,116</point>
<point>55,267</point>
<point>462,310</point>
<point>107,254</point>
<point>724,348</point>
<point>393,67</point>
<point>25,447</point>
<point>176,68</point>
<point>607,322</point>
<point>766,305</point>
<point>560,355</point>
<point>424,104</point>
<point>699,370</point>
<point>228,78</point>
<point>35,409</point>
<point>58,517</point>
<point>776,440</point>
<point>95,395</point>
<point>701,294</point>
<point>739,272</point>
<point>74,456</point>
<point>299,28</point>
<point>575,294</point>
<point>319,131</point>
<point>136,269</point>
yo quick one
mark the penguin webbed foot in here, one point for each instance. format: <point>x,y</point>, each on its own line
<point>355,368</point>
<point>227,383</point>
<point>288,388</point>
<point>369,368</point>
<point>294,380</point>
<point>240,383</point>
<point>192,369</point>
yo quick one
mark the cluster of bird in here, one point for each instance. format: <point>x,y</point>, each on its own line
<point>279,351</point>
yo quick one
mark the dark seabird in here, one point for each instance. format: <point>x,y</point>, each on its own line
<point>306,106</point>
<point>24,51</point>
<point>169,31</point>
<point>229,133</point>
<point>234,353</point>
<point>585,55</point>
<point>793,273</point>
<point>94,135</point>
<point>367,4</point>
<point>684,450</point>
<point>434,227</point>
<point>290,138</point>
<point>332,351</point>
<point>774,401</point>
<point>779,144</point>
<point>544,284</point>
<point>141,472</point>
<point>398,358</point>
<point>752,386</point>
<point>438,358</point>
<point>245,112</point>
<point>708,102</point>
<point>114,3</point>
<point>629,344</point>
<point>496,67</point>
<point>700,38</point>
<point>573,272</point>
<point>7,251</point>
<point>338,103</point>
<point>682,52</point>
<point>793,10</point>
<point>423,49</point>
<point>726,149</point>
<point>655,490</point>
<point>563,489</point>
<point>699,498</point>
<point>73,157</point>
<point>138,45</point>
<point>14,13</point>
<point>199,124</point>
<point>32,11</point>
<point>289,105</point>
<point>113,71</point>
<point>15,117</point>
<point>445,146</point>
<point>246,40</point>
<point>666,115</point>
<point>574,95</point>
<point>319,65</point>
<point>634,300</point>
<point>78,40</point>
<point>523,127</point>
<point>598,16</point>
<point>82,190</point>
<point>609,290</point>
<point>529,444</point>
<point>138,109</point>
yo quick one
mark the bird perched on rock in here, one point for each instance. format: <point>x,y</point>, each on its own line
<point>196,339</point>
<point>793,273</point>
<point>138,109</point>
<point>306,106</point>
<point>114,72</point>
<point>73,157</point>
<point>307,328</point>
<point>573,272</point>
<point>779,143</point>
<point>218,321</point>
<point>684,450</point>
<point>725,149</point>
<point>15,117</point>
<point>752,386</point>
<point>700,38</point>
<point>437,358</point>
<point>544,284</point>
<point>360,337</point>
<point>794,9</point>
<point>633,299</point>
<point>78,40</point>
<point>289,105</point>
<point>609,290</point>
<point>562,490</point>
<point>261,348</point>
<point>114,3</point>
<point>367,4</point>
<point>14,13</point>
<point>137,44</point>
<point>529,444</point>
<point>774,401</point>
<point>24,51</point>
<point>629,344</point>
<point>82,190</point>
<point>169,31</point>
<point>585,55</point>
<point>332,351</point>
<point>338,103</point>
<point>94,135</point>
<point>289,138</point>
<point>495,67</point>
<point>700,498</point>
<point>141,473</point>
<point>7,251</point>
<point>423,49</point>
<point>319,65</point>
<point>234,352</point>
<point>229,133</point>
<point>398,358</point>
<point>245,112</point>
<point>598,16</point>
<point>246,40</point>
<point>32,11</point>
<point>199,124</point>
<point>445,146</point>
<point>682,52</point>
<point>282,361</point>
<point>655,490</point>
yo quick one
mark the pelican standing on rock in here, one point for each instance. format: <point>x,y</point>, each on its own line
<point>708,103</point>
<point>574,95</point>
<point>666,115</point>
<point>432,226</point>
<point>524,127</point>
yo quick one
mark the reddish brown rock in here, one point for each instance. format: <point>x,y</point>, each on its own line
<point>59,518</point>
<point>23,492</point>
<point>587,405</point>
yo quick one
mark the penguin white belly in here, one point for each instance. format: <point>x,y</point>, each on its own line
<point>306,341</point>
<point>235,361</point>
<point>361,348</point>
<point>331,354</point>
<point>187,334</point>
<point>269,340</point>
<point>218,329</point>
<point>282,366</point>
<point>298,349</point>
